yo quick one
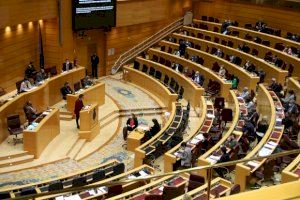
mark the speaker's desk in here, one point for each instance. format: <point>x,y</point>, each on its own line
<point>37,139</point>
<point>92,94</point>
<point>134,138</point>
<point>41,97</point>
<point>89,123</point>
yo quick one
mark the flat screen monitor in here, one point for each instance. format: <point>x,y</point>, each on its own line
<point>93,14</point>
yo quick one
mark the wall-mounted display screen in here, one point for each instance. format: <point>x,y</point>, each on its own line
<point>93,14</point>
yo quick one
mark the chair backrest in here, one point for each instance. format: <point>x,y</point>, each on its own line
<point>170,192</point>
<point>136,65</point>
<point>118,169</point>
<point>196,177</point>
<point>219,102</point>
<point>13,121</point>
<point>98,176</point>
<point>145,68</point>
<point>55,186</point>
<point>28,191</point>
<point>4,195</point>
<point>114,190</point>
<point>79,181</point>
<point>226,114</point>
<point>153,197</point>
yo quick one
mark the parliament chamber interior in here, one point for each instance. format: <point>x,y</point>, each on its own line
<point>150,99</point>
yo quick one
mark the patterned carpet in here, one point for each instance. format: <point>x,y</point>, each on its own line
<point>128,97</point>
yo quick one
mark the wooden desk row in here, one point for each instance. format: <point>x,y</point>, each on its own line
<point>35,141</point>
<point>138,172</point>
<point>273,39</point>
<point>192,92</point>
<point>270,140</point>
<point>43,96</point>
<point>262,50</point>
<point>219,187</point>
<point>151,84</point>
<point>245,79</point>
<point>271,70</point>
<point>207,73</point>
<point>42,186</point>
<point>292,171</point>
<point>206,158</point>
<point>205,123</point>
<point>155,187</point>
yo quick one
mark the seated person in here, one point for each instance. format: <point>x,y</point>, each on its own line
<point>67,65</point>
<point>30,71</point>
<point>290,95</point>
<point>253,116</point>
<point>30,112</point>
<point>262,128</point>
<point>234,82</point>
<point>177,67</point>
<point>249,104</point>
<point>232,59</point>
<point>198,79</point>
<point>155,128</point>
<point>66,89</point>
<point>231,142</point>
<point>249,130</point>
<point>245,93</point>
<point>275,86</point>
<point>185,155</point>
<point>292,108</point>
<point>219,53</point>
<point>86,82</point>
<point>224,158</point>
<point>40,76</point>
<point>131,124</point>
<point>222,72</point>
<point>25,85</point>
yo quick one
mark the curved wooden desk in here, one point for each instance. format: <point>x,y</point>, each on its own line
<point>41,97</point>
<point>293,84</point>
<point>292,171</point>
<point>204,124</point>
<point>192,92</point>
<point>262,50</point>
<point>207,73</point>
<point>266,107</point>
<point>35,141</point>
<point>271,70</point>
<point>212,26</point>
<point>140,154</point>
<point>205,158</point>
<point>152,85</point>
<point>245,78</point>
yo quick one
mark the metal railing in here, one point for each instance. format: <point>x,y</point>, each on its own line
<point>134,51</point>
<point>209,168</point>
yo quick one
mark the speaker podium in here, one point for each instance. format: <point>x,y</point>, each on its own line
<point>89,123</point>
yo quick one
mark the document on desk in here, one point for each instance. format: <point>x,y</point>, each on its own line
<point>254,164</point>
<point>200,137</point>
<point>265,152</point>
<point>212,161</point>
<point>210,116</point>
<point>143,174</point>
<point>195,141</point>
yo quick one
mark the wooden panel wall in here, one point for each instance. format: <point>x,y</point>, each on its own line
<point>284,19</point>
<point>18,46</point>
<point>13,12</point>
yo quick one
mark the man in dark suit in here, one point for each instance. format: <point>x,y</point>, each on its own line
<point>30,71</point>
<point>95,62</point>
<point>30,112</point>
<point>67,65</point>
<point>66,90</point>
<point>78,106</point>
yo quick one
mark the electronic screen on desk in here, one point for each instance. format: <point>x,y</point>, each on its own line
<point>92,14</point>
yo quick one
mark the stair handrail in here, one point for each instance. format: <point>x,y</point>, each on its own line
<point>123,58</point>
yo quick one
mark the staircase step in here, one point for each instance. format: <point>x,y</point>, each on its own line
<point>65,112</point>
<point>66,117</point>
<point>108,119</point>
<point>76,148</point>
<point>16,160</point>
<point>13,155</point>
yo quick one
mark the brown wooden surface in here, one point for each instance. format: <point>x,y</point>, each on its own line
<point>35,141</point>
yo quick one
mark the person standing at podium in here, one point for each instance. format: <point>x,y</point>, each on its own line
<point>78,106</point>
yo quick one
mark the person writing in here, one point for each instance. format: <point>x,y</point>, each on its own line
<point>30,112</point>
<point>65,90</point>
<point>25,85</point>
<point>78,106</point>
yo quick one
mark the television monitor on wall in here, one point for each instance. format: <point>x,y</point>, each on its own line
<point>93,14</point>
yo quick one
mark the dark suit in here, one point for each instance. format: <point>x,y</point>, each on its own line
<point>65,67</point>
<point>66,90</point>
<point>95,62</point>
<point>78,106</point>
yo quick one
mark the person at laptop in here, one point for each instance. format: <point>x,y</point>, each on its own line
<point>25,85</point>
<point>67,65</point>
<point>78,107</point>
<point>66,89</point>
<point>86,82</point>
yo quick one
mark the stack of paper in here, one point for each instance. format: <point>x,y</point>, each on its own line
<point>210,116</point>
<point>212,161</point>
<point>200,137</point>
<point>143,174</point>
<point>194,141</point>
<point>254,164</point>
<point>265,152</point>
